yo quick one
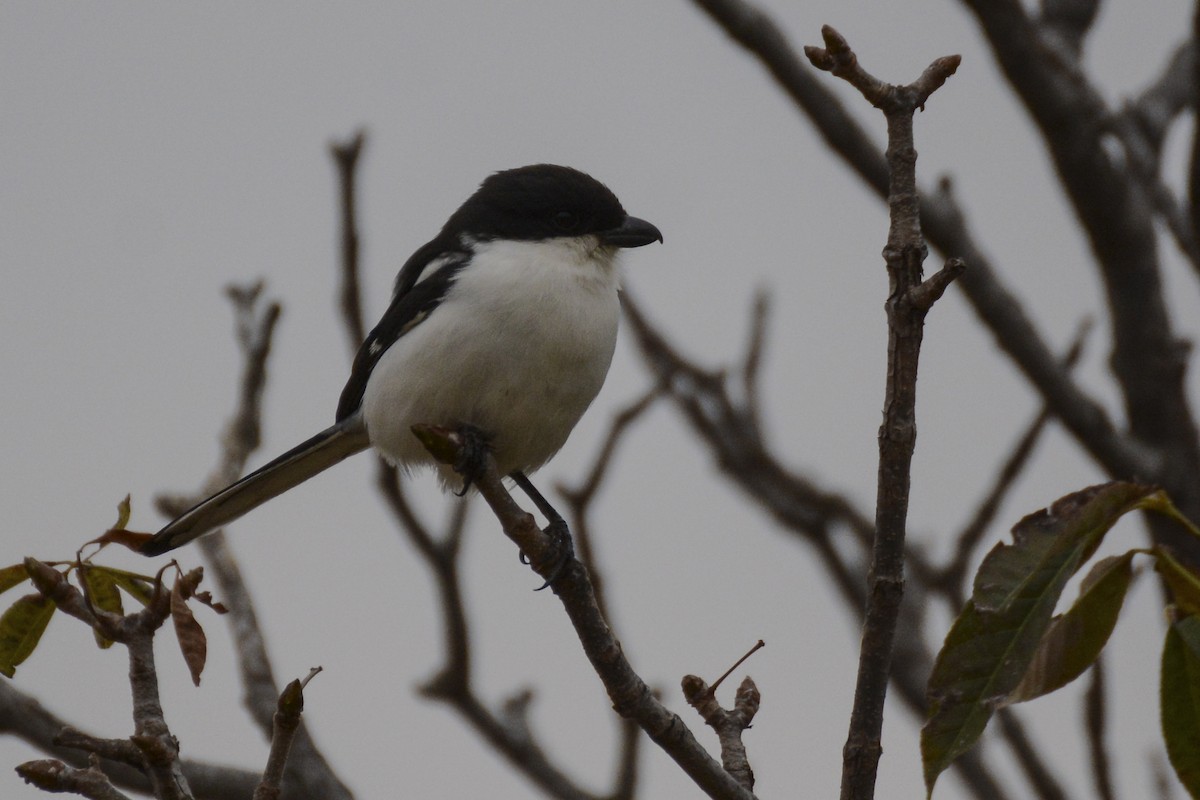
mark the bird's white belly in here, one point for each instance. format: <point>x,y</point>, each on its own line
<point>519,350</point>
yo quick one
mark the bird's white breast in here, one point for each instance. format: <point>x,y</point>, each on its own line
<point>519,348</point>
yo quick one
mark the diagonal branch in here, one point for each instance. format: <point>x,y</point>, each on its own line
<point>631,697</point>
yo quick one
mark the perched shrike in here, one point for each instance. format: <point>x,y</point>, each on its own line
<point>503,326</point>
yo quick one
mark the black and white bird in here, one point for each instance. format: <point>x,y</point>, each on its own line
<point>503,325</point>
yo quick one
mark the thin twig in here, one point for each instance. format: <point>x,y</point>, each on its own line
<point>730,724</point>
<point>752,360</point>
<point>288,713</point>
<point>345,155</point>
<point>56,777</point>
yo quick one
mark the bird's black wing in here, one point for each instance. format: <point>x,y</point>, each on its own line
<point>414,298</point>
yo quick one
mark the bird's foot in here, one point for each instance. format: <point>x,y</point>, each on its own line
<point>561,552</point>
<point>562,548</point>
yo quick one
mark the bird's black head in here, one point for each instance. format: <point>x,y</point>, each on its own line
<point>544,201</point>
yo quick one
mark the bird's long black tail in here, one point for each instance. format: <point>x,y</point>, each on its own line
<point>297,465</point>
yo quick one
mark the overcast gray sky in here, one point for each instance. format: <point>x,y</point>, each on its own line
<point>153,153</point>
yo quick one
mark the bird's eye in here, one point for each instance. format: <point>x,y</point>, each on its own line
<point>566,220</point>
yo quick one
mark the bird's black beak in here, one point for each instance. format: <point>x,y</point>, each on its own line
<point>633,232</point>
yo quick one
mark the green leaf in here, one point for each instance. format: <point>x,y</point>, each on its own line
<point>1075,639</point>
<point>102,591</point>
<point>990,646</point>
<point>1181,580</point>
<point>135,585</point>
<point>12,576</point>
<point>1179,701</point>
<point>21,628</point>
<point>1162,504</point>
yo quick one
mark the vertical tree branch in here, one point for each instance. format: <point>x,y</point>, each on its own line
<point>1096,723</point>
<point>909,299</point>
<point>345,155</point>
<point>1194,170</point>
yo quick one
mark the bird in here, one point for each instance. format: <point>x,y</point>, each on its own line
<point>502,327</point>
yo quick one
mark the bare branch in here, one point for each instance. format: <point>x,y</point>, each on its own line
<point>345,155</point>
<point>1142,125</point>
<point>568,579</point>
<point>909,300</point>
<point>286,724</point>
<point>795,502</point>
<point>837,57</point>
<point>56,777</point>
<point>1167,97</point>
<point>1000,310</point>
<point>1069,20</point>
<point>25,718</point>
<point>121,750</point>
<point>728,724</point>
<point>754,29</point>
<point>151,734</point>
<point>1095,724</point>
<point>753,357</point>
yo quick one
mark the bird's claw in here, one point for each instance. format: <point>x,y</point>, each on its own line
<point>562,549</point>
